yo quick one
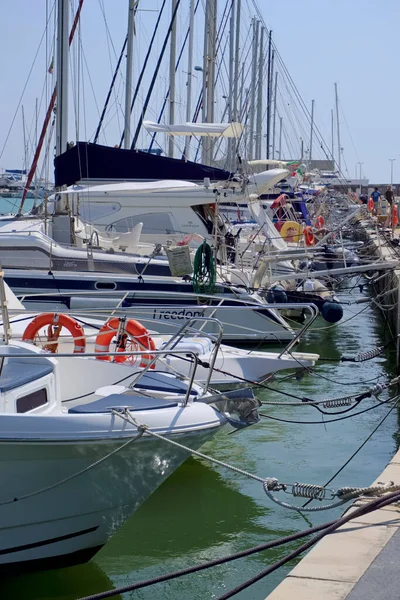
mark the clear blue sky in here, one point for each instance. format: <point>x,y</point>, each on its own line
<point>353,43</point>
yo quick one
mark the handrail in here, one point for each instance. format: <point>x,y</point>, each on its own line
<point>180,334</point>
<point>313,315</point>
<point>110,353</point>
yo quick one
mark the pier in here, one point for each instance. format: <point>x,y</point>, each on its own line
<point>359,561</point>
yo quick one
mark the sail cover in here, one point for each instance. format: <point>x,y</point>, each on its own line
<point>93,161</point>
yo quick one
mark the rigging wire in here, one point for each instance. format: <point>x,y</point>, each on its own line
<point>26,82</point>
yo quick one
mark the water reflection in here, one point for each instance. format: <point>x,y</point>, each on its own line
<point>195,509</point>
<point>59,584</point>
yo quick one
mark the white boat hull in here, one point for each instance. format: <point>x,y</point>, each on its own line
<point>70,522</point>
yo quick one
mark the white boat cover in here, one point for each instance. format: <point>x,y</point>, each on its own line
<point>127,187</point>
<point>267,179</point>
<point>228,130</point>
<point>261,218</point>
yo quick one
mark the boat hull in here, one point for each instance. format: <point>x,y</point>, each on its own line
<point>162,304</point>
<point>70,521</point>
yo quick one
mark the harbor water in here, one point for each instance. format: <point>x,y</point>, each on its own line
<point>203,512</point>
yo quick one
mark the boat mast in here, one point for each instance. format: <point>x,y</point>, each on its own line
<point>62,77</point>
<point>256,27</point>
<point>269,81</point>
<point>274,115</point>
<point>128,78</point>
<point>332,135</point>
<point>210,33</point>
<point>231,90</point>
<point>312,129</point>
<point>260,96</point>
<point>172,79</point>
<point>337,126</point>
<point>24,138</point>
<point>280,137</point>
<point>235,90</point>
<point>48,116</point>
<point>189,75</point>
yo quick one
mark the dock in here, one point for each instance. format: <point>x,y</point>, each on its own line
<point>360,560</point>
<point>357,562</point>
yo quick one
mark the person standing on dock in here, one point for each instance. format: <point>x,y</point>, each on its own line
<point>376,195</point>
<point>389,195</point>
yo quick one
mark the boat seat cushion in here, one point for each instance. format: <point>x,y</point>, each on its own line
<point>159,381</point>
<point>16,373</point>
<point>115,401</point>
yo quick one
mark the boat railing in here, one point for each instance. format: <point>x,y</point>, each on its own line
<point>175,339</point>
<point>147,315</point>
<point>108,353</point>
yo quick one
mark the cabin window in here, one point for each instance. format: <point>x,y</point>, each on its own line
<point>152,223</point>
<point>31,401</point>
<point>92,211</point>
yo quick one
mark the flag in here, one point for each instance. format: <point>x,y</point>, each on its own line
<point>51,67</point>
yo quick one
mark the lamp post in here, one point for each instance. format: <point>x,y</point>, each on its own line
<point>359,164</point>
<point>391,160</point>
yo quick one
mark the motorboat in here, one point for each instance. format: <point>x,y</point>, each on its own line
<point>219,365</point>
<point>77,451</point>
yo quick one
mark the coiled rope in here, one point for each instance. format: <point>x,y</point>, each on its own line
<point>204,274</point>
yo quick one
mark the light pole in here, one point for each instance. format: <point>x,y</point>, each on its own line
<point>359,164</point>
<point>391,160</point>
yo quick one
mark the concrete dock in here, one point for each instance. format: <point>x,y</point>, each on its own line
<point>360,561</point>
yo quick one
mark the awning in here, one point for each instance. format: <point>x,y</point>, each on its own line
<point>228,130</point>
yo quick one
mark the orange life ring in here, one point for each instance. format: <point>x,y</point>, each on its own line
<point>309,236</point>
<point>370,204</point>
<point>55,319</point>
<point>320,222</point>
<point>136,331</point>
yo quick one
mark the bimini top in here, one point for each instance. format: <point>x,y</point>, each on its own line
<point>227,130</point>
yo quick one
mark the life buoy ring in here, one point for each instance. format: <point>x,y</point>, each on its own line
<point>309,236</point>
<point>319,222</point>
<point>370,204</point>
<point>291,231</point>
<point>58,321</point>
<point>133,329</point>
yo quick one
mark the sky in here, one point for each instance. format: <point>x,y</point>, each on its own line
<point>321,42</point>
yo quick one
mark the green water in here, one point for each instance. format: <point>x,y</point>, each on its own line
<point>10,205</point>
<point>203,512</point>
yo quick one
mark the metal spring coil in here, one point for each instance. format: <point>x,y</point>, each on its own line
<point>338,402</point>
<point>368,355</point>
<point>308,490</point>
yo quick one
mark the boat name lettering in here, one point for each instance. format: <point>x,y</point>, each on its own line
<point>176,314</point>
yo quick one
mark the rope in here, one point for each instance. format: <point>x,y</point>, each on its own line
<point>324,528</point>
<point>204,274</point>
<point>358,449</point>
<point>325,422</point>
<point>270,484</point>
<point>127,416</point>
<point>374,505</point>
<point>327,402</point>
